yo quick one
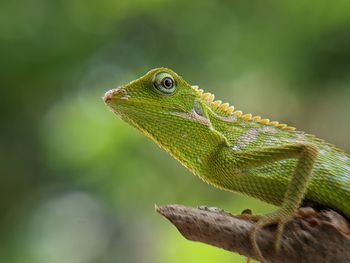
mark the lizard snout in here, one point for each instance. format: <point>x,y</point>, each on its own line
<point>114,94</point>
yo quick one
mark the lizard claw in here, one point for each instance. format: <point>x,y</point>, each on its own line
<point>276,218</point>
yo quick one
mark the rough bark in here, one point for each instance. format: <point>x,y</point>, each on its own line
<point>310,237</point>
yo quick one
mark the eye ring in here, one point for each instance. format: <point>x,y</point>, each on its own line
<point>164,83</point>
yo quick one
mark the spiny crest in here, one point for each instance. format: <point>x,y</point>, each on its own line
<point>230,110</point>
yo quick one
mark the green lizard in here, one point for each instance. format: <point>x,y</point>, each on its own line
<point>240,153</point>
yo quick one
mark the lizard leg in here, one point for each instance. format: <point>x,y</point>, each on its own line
<point>243,161</point>
<point>306,155</point>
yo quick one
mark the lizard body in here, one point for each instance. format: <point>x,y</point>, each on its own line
<point>240,153</point>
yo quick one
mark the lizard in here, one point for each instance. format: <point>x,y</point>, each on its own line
<point>233,151</point>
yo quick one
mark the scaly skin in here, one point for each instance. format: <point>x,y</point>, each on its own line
<point>235,152</point>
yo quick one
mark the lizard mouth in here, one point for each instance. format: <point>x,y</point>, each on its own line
<point>115,94</point>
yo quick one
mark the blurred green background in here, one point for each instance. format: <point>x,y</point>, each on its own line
<point>77,185</point>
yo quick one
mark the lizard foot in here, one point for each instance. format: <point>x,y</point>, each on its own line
<point>279,218</point>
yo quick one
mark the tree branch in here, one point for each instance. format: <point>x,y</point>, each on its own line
<point>310,237</point>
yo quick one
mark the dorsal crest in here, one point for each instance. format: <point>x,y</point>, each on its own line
<point>226,109</point>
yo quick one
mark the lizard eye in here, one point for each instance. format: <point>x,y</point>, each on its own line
<point>164,83</point>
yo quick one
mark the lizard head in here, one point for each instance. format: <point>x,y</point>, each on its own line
<point>170,111</point>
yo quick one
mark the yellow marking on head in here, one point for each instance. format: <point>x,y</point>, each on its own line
<point>274,123</point>
<point>224,107</point>
<point>290,128</point>
<point>257,118</point>
<point>208,97</point>
<point>264,121</point>
<point>217,103</point>
<point>200,91</point>
<point>247,117</point>
<point>238,113</point>
<point>195,87</point>
<point>231,110</point>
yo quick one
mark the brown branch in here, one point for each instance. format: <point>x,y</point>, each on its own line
<point>310,237</point>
